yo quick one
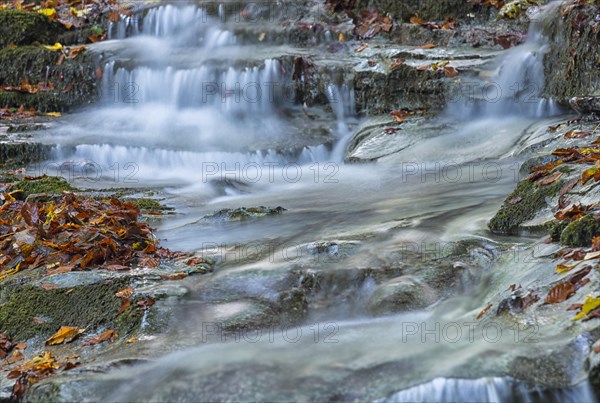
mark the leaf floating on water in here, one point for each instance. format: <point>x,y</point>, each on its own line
<point>427,46</point>
<point>592,256</point>
<point>484,311</point>
<point>576,134</point>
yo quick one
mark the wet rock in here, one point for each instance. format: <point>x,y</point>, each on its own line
<point>564,365</point>
<point>405,293</point>
<point>244,213</point>
<point>24,28</point>
<point>586,105</point>
<point>435,10</point>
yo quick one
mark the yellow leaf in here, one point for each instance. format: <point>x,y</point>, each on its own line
<point>65,334</point>
<point>56,46</point>
<point>589,305</point>
<point>563,268</point>
<point>54,114</point>
<point>261,36</point>
<point>48,12</point>
<point>341,37</point>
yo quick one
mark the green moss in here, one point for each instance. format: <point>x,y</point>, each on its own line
<point>24,28</point>
<point>533,199</point>
<point>555,229</point>
<point>147,204</point>
<point>46,184</point>
<point>581,232</point>
<point>88,306</point>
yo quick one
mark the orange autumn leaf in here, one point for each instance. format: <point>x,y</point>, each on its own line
<point>65,334</point>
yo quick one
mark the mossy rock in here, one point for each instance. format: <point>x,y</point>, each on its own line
<point>148,204</point>
<point>581,232</point>
<point>24,28</point>
<point>74,81</point>
<point>522,205</point>
<point>46,184</point>
<point>571,65</point>
<point>87,306</point>
<point>19,154</point>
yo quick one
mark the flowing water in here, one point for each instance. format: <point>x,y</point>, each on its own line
<point>191,108</point>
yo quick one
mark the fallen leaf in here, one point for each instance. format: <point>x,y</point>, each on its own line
<point>65,334</point>
<point>99,73</point>
<point>132,339</point>
<point>125,292</point>
<point>361,47</point>
<point>109,335</point>
<point>54,114</point>
<point>146,303</point>
<point>125,304</point>
<point>427,46</point>
<point>559,293</point>
<point>548,180</point>
<point>588,305</point>
<point>450,71</point>
<point>173,276</point>
<point>484,311</point>
<point>194,261</point>
<point>16,356</point>
<point>576,134</point>
<point>592,256</point>
<point>57,46</point>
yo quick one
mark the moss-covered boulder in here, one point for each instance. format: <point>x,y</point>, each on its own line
<point>45,184</point>
<point>522,205</point>
<point>581,232</point>
<point>30,311</point>
<point>24,28</point>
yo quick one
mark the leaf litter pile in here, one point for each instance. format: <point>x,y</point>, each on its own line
<point>75,233</point>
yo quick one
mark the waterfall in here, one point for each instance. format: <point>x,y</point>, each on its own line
<point>517,84</point>
<point>442,390</point>
<point>341,99</point>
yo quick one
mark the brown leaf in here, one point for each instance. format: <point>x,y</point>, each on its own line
<point>194,261</point>
<point>484,311</point>
<point>150,262</point>
<point>450,71</point>
<point>548,180</point>
<point>576,134</point>
<point>117,267</point>
<point>173,276</point>
<point>15,357</point>
<point>109,335</point>
<point>146,303</point>
<point>560,293</point>
<point>397,62</point>
<point>125,304</point>
<point>99,73</point>
<point>427,46</point>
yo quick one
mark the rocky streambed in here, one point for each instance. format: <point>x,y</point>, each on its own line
<point>437,238</point>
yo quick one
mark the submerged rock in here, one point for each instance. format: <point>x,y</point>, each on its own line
<point>405,293</point>
<point>244,213</point>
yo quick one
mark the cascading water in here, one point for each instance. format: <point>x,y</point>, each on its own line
<point>516,86</point>
<point>190,108</point>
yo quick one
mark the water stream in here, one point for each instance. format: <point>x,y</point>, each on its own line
<point>206,117</point>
